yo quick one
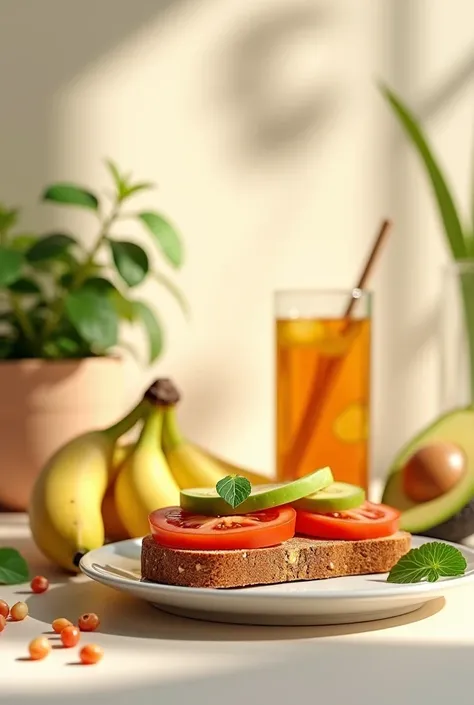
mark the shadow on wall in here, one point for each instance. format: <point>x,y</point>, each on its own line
<point>269,116</point>
<point>44,46</point>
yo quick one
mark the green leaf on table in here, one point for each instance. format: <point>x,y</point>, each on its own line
<point>24,286</point>
<point>70,194</point>
<point>11,263</point>
<point>50,247</point>
<point>94,317</point>
<point>429,562</point>
<point>173,290</point>
<point>165,236</point>
<point>13,567</point>
<point>446,205</point>
<point>145,315</point>
<point>234,489</point>
<point>131,261</point>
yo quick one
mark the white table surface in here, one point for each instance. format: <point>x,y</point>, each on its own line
<point>426,657</point>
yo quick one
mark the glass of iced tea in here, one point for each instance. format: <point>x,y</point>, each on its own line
<point>323,351</point>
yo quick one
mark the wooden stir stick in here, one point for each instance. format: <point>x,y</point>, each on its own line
<point>327,371</point>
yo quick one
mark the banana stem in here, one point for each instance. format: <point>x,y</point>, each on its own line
<point>171,436</point>
<point>152,428</point>
<point>125,424</point>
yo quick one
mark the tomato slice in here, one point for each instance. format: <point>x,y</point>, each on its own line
<point>369,521</point>
<point>176,528</point>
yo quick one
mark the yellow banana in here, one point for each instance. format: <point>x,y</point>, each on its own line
<point>65,506</point>
<point>228,468</point>
<point>121,453</point>
<point>144,482</point>
<point>191,465</point>
<point>113,528</point>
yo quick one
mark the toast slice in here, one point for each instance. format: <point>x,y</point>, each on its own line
<point>296,559</point>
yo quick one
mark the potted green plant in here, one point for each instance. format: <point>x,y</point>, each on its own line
<point>459,280</point>
<point>61,316</point>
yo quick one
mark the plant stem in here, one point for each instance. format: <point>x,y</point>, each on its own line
<point>125,424</point>
<point>57,308</point>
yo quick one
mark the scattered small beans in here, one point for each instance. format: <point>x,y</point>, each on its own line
<point>39,648</point>
<point>3,622</point>
<point>91,653</point>
<point>19,611</point>
<point>88,622</point>
<point>39,584</point>
<point>61,623</point>
<point>70,636</point>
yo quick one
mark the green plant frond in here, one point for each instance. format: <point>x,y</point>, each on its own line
<point>445,200</point>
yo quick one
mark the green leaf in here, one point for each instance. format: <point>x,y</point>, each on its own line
<point>94,317</point>
<point>131,261</point>
<point>429,562</point>
<point>70,194</point>
<point>165,235</point>
<point>13,567</point>
<point>24,286</point>
<point>118,180</point>
<point>135,188</point>
<point>6,346</point>
<point>62,347</point>
<point>8,218</point>
<point>50,247</point>
<point>234,489</point>
<point>11,263</point>
<point>123,306</point>
<point>152,327</point>
<point>23,242</point>
<point>447,208</point>
<point>173,290</point>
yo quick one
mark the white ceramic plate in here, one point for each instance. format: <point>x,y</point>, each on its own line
<point>333,601</point>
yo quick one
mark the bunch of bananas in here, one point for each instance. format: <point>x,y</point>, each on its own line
<point>95,490</point>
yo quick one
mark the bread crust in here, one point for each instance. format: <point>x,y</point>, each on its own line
<point>297,559</point>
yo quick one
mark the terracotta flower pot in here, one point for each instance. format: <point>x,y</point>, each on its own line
<point>43,404</point>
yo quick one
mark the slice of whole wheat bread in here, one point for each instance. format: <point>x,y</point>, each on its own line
<point>297,559</point>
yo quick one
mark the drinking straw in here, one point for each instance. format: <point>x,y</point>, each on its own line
<point>328,370</point>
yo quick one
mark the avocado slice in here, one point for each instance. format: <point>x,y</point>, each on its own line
<point>451,516</point>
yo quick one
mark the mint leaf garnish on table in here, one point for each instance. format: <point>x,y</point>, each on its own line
<point>13,567</point>
<point>234,489</point>
<point>429,562</point>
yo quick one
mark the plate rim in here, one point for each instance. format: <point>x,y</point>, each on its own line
<point>392,590</point>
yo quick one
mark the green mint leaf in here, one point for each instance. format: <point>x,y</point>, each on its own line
<point>13,567</point>
<point>429,562</point>
<point>234,489</point>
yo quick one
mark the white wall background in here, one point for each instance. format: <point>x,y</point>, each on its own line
<point>275,156</point>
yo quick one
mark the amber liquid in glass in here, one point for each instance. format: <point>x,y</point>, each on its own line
<point>324,363</point>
